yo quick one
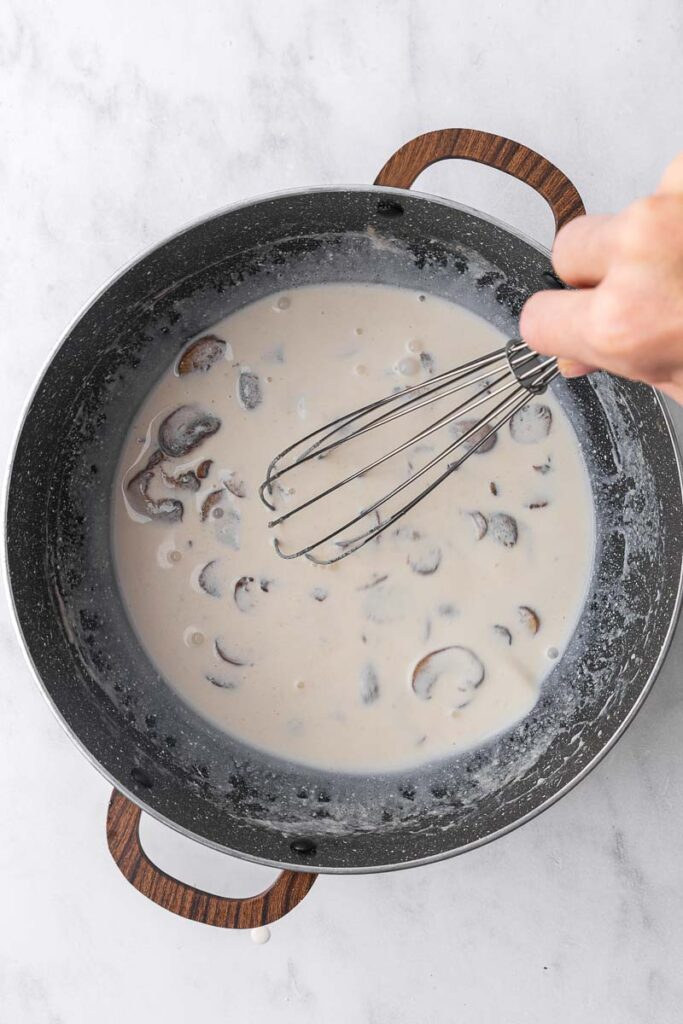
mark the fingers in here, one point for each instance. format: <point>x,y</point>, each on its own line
<point>557,323</point>
<point>569,368</point>
<point>672,179</point>
<point>583,249</point>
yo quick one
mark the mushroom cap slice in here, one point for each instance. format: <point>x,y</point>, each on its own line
<point>503,633</point>
<point>529,619</point>
<point>185,428</point>
<point>531,424</point>
<point>461,427</point>
<point>244,594</point>
<point>164,510</point>
<point>249,389</point>
<point>425,560</point>
<point>369,684</point>
<point>200,355</point>
<point>480,524</point>
<point>230,657</point>
<point>503,529</point>
<point>212,578</point>
<point>457,665</point>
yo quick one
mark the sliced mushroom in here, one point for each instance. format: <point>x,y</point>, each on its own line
<point>369,684</point>
<point>375,581</point>
<point>235,485</point>
<point>458,666</point>
<point>227,521</point>
<point>427,361</point>
<point>200,355</point>
<point>503,529</point>
<point>479,523</point>
<point>249,389</point>
<point>185,481</point>
<point>203,468</point>
<point>211,501</point>
<point>184,430</point>
<point>531,424</point>
<point>425,561</point>
<point>164,510</point>
<point>238,661</point>
<point>222,684</point>
<point>529,619</point>
<point>462,427</point>
<point>211,578</point>
<point>503,633</point>
<point>244,595</point>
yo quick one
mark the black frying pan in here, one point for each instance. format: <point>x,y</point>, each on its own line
<point>159,753</point>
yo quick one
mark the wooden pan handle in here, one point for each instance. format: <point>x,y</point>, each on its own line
<point>401,170</point>
<point>123,839</point>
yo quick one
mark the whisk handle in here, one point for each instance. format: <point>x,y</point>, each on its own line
<point>401,170</point>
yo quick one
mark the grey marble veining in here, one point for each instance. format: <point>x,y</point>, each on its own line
<point>121,122</point>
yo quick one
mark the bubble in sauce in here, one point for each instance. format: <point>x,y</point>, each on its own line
<point>283,303</point>
<point>194,637</point>
<point>414,345</point>
<point>407,366</point>
<point>174,555</point>
<point>360,369</point>
<point>261,935</point>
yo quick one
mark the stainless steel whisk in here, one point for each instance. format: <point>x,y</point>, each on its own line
<point>505,381</point>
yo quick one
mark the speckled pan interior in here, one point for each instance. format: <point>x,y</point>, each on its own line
<point>89,661</point>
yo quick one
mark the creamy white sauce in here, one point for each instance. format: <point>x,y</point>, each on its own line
<point>321,659</point>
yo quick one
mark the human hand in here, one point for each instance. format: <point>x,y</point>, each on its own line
<point>626,315</point>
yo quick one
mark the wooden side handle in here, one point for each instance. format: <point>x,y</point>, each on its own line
<point>123,839</point>
<point>401,170</point>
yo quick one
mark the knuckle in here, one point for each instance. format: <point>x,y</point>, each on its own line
<point>641,224</point>
<point>620,327</point>
<point>611,321</point>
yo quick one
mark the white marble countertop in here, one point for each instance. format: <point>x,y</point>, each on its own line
<point>122,121</point>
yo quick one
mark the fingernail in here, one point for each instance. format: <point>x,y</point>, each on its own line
<point>568,368</point>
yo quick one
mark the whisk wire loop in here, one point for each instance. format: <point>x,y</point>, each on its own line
<point>506,379</point>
